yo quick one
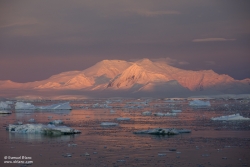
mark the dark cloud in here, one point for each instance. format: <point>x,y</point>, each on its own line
<point>41,38</point>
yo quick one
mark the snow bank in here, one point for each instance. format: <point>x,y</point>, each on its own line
<point>232,117</point>
<point>163,131</point>
<point>29,106</point>
<point>40,128</point>
<point>5,112</point>
<point>159,114</point>
<point>4,105</point>
<point>109,124</point>
<point>123,119</point>
<point>199,103</point>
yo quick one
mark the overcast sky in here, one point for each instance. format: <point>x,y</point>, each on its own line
<point>42,38</point>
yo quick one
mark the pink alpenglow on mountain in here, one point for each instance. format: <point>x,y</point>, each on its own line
<point>142,78</point>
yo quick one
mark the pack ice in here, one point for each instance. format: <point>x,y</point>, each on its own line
<point>29,106</point>
<point>232,117</point>
<point>199,103</point>
<point>40,128</point>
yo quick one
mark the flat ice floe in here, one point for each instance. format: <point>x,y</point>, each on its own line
<point>233,117</point>
<point>5,112</point>
<point>163,131</point>
<point>40,128</point>
<point>176,111</point>
<point>147,113</point>
<point>29,106</point>
<point>159,114</point>
<point>199,103</point>
<point>109,124</point>
<point>122,119</point>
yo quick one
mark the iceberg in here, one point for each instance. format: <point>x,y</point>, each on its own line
<point>5,112</point>
<point>146,113</point>
<point>4,105</point>
<point>233,117</point>
<point>29,106</point>
<point>58,106</point>
<point>176,111</point>
<point>199,103</point>
<point>24,106</point>
<point>40,128</point>
<point>159,114</point>
<point>123,119</point>
<point>56,122</point>
<point>163,131</point>
<point>109,124</point>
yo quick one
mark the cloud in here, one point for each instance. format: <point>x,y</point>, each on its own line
<point>212,40</point>
<point>156,13</point>
<point>183,63</point>
<point>171,61</point>
<point>211,63</point>
<point>21,22</point>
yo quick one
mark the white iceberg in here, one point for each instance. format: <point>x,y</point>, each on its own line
<point>199,103</point>
<point>233,117</point>
<point>58,106</point>
<point>56,122</point>
<point>4,105</point>
<point>24,106</point>
<point>5,112</point>
<point>40,128</point>
<point>109,124</point>
<point>159,114</point>
<point>29,106</point>
<point>146,113</point>
<point>122,119</point>
<point>163,131</point>
<point>176,111</point>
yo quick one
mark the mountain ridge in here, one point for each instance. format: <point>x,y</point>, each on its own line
<point>139,76</point>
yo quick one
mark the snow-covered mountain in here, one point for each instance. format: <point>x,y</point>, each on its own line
<point>136,77</point>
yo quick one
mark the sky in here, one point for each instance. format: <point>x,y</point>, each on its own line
<point>43,38</point>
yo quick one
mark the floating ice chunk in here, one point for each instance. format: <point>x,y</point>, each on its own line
<point>147,113</point>
<point>31,120</point>
<point>159,114</point>
<point>56,122</point>
<point>112,111</point>
<point>176,111</point>
<point>232,117</point>
<point>24,106</point>
<point>199,103</point>
<point>29,106</point>
<point>4,105</point>
<point>123,119</point>
<point>59,106</point>
<point>40,128</point>
<point>163,131</point>
<point>109,124</point>
<point>5,112</point>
